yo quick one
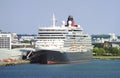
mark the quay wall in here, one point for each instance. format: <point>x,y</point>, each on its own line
<point>14,63</point>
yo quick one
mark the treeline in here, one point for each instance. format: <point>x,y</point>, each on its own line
<point>106,51</point>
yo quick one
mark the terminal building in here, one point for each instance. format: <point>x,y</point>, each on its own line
<point>5,40</point>
<point>7,52</point>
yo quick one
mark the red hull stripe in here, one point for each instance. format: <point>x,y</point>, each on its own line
<point>52,62</point>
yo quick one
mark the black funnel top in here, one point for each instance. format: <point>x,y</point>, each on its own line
<point>70,18</point>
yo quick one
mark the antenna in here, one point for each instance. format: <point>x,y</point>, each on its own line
<point>53,20</point>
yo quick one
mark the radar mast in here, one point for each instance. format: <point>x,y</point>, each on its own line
<point>53,20</point>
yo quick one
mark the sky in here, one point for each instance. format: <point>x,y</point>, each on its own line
<point>26,16</point>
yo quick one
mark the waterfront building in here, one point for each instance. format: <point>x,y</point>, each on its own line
<point>106,40</point>
<point>101,38</point>
<point>24,41</point>
<point>118,37</point>
<point>28,37</point>
<point>7,52</point>
<point>14,38</point>
<point>5,40</point>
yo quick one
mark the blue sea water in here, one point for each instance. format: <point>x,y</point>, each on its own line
<point>92,69</point>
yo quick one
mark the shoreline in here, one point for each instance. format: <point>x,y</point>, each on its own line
<point>27,61</point>
<point>14,63</point>
<point>106,57</point>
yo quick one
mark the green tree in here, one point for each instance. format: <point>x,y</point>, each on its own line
<point>107,51</point>
<point>95,50</point>
<point>99,51</point>
<point>115,51</point>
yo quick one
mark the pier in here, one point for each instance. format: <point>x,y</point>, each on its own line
<point>14,63</point>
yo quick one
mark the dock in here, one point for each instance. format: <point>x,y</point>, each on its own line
<point>14,63</point>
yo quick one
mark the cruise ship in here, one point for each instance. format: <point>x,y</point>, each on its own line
<point>62,44</point>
